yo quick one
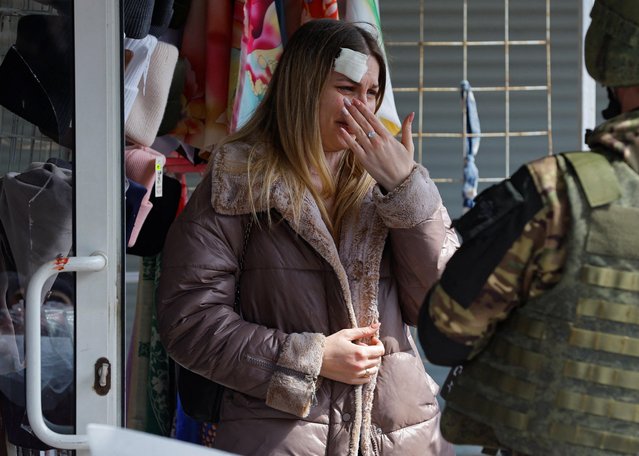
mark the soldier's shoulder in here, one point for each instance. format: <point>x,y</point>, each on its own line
<point>547,177</point>
<point>543,166</point>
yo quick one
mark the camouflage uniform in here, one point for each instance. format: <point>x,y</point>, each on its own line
<point>516,251</point>
<point>513,251</point>
<point>467,311</point>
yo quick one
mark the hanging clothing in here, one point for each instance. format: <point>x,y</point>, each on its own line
<point>147,110</point>
<point>206,49</point>
<point>261,48</point>
<point>140,164</point>
<point>367,11</point>
<point>136,70</point>
<point>319,9</point>
<point>36,209</point>
<point>150,396</point>
<point>36,227</point>
<point>471,146</point>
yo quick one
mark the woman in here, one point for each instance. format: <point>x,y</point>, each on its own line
<point>348,234</point>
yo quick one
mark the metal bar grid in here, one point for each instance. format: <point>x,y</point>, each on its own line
<point>548,79</point>
<point>508,45</point>
<point>467,43</point>
<point>475,89</point>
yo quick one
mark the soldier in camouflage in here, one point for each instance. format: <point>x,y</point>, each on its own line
<point>539,309</point>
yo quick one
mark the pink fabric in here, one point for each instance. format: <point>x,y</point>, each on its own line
<point>206,48</point>
<point>319,9</point>
<point>140,167</point>
<point>261,48</point>
<point>236,51</point>
<point>231,50</point>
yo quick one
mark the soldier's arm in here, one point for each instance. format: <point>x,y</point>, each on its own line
<point>505,258</point>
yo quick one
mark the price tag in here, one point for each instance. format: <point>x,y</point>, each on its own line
<point>159,165</point>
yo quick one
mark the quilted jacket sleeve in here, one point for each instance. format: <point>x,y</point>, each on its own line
<point>422,239</point>
<point>514,249</point>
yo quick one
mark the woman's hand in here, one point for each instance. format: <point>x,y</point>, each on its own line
<point>348,359</point>
<point>387,160</point>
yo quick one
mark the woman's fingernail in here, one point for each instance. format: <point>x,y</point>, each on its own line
<point>344,111</point>
<point>347,102</point>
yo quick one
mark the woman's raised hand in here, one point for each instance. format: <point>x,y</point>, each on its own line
<point>386,159</point>
<point>349,359</point>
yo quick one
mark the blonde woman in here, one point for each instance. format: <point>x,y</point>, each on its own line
<point>348,234</point>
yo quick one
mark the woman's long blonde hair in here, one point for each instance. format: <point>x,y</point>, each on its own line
<point>284,130</point>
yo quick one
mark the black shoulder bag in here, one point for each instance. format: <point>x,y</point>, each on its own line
<point>200,397</point>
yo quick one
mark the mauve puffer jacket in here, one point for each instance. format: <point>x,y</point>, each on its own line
<point>296,288</point>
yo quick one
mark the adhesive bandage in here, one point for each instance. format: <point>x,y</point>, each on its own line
<point>351,64</point>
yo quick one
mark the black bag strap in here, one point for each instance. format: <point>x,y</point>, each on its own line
<point>247,235</point>
<point>201,398</point>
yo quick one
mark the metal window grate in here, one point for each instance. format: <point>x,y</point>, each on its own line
<point>435,38</point>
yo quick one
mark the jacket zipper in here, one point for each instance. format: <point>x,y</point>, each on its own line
<point>270,365</point>
<point>374,444</point>
<point>263,363</point>
<point>375,431</point>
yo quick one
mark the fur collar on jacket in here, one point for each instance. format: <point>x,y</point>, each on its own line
<point>362,236</point>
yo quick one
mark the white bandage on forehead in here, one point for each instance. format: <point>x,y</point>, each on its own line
<point>351,64</point>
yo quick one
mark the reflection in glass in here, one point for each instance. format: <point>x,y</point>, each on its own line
<point>36,207</point>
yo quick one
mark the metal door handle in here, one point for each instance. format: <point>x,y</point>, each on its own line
<point>95,262</point>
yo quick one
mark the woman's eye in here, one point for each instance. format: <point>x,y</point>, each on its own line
<point>345,89</point>
<point>372,93</point>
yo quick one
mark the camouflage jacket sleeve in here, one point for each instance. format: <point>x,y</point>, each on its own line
<point>513,249</point>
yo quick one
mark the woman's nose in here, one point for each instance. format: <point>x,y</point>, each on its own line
<point>361,97</point>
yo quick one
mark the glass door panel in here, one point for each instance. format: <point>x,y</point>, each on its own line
<point>51,173</point>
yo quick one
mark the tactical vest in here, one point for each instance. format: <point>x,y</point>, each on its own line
<point>561,374</point>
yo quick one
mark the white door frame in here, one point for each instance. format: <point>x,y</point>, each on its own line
<point>98,223</point>
<point>98,212</point>
<point>587,94</point>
